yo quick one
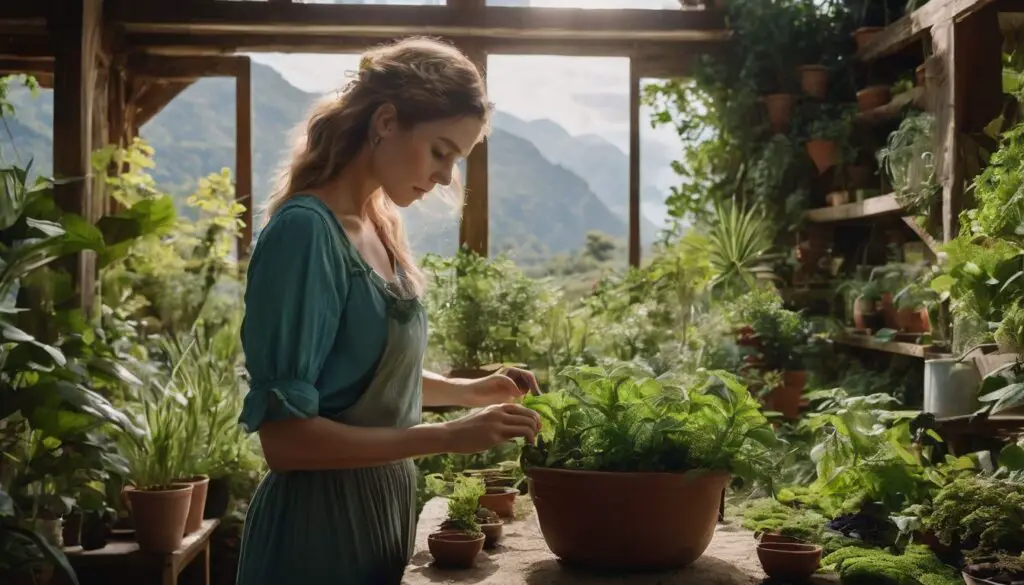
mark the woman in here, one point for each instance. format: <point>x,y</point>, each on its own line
<point>334,335</point>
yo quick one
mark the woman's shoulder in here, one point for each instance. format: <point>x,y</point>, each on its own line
<point>300,220</point>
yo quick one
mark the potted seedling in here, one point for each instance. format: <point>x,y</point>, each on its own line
<point>459,540</point>
<point>628,470</point>
<point>826,135</point>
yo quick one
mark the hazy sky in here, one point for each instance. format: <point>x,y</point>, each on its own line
<point>584,95</point>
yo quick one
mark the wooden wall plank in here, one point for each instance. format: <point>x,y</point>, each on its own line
<point>77,33</point>
<point>634,163</point>
<point>474,226</point>
<point>243,156</point>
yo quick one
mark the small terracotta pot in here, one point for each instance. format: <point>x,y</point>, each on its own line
<point>627,521</point>
<point>913,320</point>
<point>780,110</point>
<point>921,75</point>
<point>199,484</point>
<point>836,198</point>
<point>824,153</point>
<point>492,533</point>
<point>769,538</point>
<point>500,500</point>
<point>814,80</point>
<point>785,398</point>
<point>867,314</point>
<point>873,97</point>
<point>889,311</point>
<point>454,549</point>
<point>159,515</point>
<point>864,35</point>
<point>790,561</point>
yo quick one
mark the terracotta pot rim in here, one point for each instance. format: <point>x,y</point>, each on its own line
<point>498,490</point>
<point>790,548</point>
<point>194,479</point>
<point>172,488</point>
<point>456,536</point>
<point>664,475</point>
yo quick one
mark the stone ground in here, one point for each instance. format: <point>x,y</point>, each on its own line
<point>522,558</point>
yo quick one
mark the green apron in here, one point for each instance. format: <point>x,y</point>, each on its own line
<point>350,526</point>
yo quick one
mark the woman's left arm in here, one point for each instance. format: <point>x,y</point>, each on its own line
<point>494,389</point>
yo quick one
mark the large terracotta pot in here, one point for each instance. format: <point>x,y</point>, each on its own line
<point>159,515</point>
<point>889,310</point>
<point>631,521</point>
<point>873,97</point>
<point>864,35</point>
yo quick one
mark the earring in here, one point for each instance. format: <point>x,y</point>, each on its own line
<point>377,140</point>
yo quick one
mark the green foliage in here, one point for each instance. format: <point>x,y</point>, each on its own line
<point>868,566</point>
<point>983,515</point>
<point>910,164</point>
<point>999,192</point>
<point>771,516</point>
<point>619,421</point>
<point>784,336</point>
<point>463,495</point>
<point>484,311</point>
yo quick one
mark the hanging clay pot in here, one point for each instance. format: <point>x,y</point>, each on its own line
<point>814,80</point>
<point>864,35</point>
<point>780,110</point>
<point>824,153</point>
<point>873,97</point>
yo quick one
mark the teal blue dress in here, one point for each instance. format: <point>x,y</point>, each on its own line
<point>326,335</point>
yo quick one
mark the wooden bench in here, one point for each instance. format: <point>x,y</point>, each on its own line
<point>121,555</point>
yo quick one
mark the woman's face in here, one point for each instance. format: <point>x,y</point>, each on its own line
<point>409,163</point>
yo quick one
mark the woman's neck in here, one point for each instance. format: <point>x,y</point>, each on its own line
<point>351,191</point>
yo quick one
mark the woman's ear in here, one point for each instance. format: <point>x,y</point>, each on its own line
<point>384,122</point>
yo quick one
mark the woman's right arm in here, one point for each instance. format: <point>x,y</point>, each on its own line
<point>295,291</point>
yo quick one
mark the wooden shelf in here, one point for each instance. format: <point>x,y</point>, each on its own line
<point>913,26</point>
<point>893,347</point>
<point>873,207</point>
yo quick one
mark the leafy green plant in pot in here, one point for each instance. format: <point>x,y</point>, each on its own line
<point>826,135</point>
<point>628,470</point>
<point>460,539</point>
<point>784,338</point>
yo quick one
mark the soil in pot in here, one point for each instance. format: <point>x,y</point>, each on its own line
<point>627,521</point>
<point>788,560</point>
<point>814,80</point>
<point>500,500</point>
<point>218,498</point>
<point>772,538</point>
<point>454,549</point>
<point>199,484</point>
<point>873,97</point>
<point>491,525</point>
<point>824,153</point>
<point>159,515</point>
<point>780,110</point>
<point>864,35</point>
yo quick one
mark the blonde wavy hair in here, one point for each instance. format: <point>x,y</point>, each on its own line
<point>425,80</point>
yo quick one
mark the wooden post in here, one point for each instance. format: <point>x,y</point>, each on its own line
<point>243,155</point>
<point>634,163</point>
<point>474,228</point>
<point>76,31</point>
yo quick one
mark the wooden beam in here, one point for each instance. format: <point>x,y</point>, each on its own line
<point>154,99</point>
<point>474,226</point>
<point>186,68</point>
<point>243,155</point>
<point>914,26</point>
<point>217,44</point>
<point>36,47</point>
<point>31,66</point>
<point>634,163</point>
<point>374,21</point>
<point>77,34</point>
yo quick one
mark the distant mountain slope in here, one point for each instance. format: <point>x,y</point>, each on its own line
<point>537,207</point>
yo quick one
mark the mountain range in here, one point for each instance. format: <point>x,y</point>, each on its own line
<point>547,187</point>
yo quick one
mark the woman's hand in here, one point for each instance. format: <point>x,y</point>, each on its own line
<point>505,386</point>
<point>491,426</point>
